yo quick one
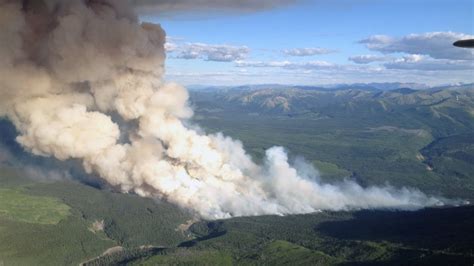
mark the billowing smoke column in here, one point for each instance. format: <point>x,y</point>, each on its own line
<point>68,66</point>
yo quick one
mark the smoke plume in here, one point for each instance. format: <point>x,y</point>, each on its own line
<point>69,67</point>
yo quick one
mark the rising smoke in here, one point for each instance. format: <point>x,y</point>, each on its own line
<point>68,66</point>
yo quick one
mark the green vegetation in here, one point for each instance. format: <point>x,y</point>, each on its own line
<point>347,237</point>
<point>67,243</point>
<point>329,238</point>
<point>453,156</point>
<point>129,221</point>
<point>126,217</point>
<point>369,135</point>
<point>187,257</point>
<point>285,253</point>
<point>330,171</point>
<point>17,206</point>
<point>147,232</point>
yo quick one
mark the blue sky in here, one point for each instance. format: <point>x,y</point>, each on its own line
<point>228,46</point>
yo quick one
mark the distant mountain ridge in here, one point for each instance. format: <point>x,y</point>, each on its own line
<point>422,138</point>
<point>385,86</point>
<point>302,99</point>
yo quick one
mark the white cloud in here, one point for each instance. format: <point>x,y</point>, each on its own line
<point>307,51</point>
<point>242,63</point>
<point>438,45</point>
<point>287,64</point>
<point>409,62</point>
<point>387,66</point>
<point>366,59</point>
<point>349,73</point>
<point>208,52</point>
<point>170,47</point>
<point>424,63</point>
<point>411,58</point>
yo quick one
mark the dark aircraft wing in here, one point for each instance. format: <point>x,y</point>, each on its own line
<point>469,43</point>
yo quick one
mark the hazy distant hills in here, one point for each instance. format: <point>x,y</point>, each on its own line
<point>326,101</point>
<point>373,85</point>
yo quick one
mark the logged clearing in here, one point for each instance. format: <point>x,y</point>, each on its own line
<point>18,206</point>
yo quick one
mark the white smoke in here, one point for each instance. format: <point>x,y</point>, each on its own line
<point>68,66</point>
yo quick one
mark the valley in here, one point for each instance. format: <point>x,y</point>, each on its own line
<point>422,139</point>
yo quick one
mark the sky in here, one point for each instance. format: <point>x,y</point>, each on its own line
<point>317,42</point>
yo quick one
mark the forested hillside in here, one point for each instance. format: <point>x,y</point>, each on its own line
<point>407,137</point>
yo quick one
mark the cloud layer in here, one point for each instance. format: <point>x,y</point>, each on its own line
<point>287,64</point>
<point>438,45</point>
<point>208,52</point>
<point>432,55</point>
<point>366,59</point>
<point>307,51</point>
<point>417,62</point>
